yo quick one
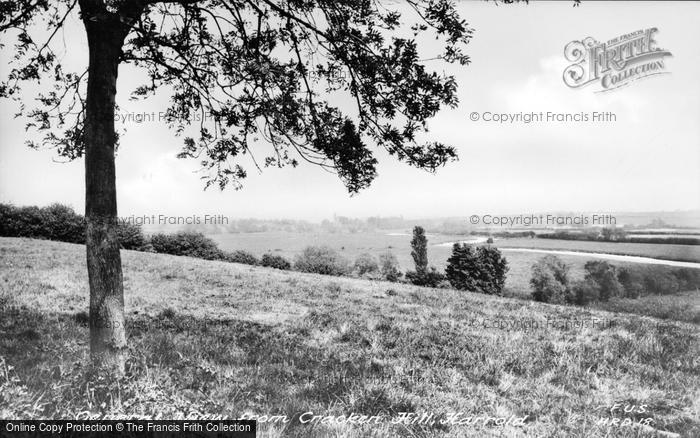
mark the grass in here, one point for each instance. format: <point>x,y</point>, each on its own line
<point>225,339</point>
<point>678,307</point>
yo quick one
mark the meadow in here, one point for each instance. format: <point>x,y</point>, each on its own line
<point>225,339</point>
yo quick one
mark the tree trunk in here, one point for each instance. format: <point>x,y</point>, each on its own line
<point>107,332</point>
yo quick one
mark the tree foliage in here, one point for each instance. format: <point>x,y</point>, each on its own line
<point>258,73</point>
<point>366,263</point>
<point>183,243</point>
<point>604,275</point>
<point>422,276</point>
<point>321,260</point>
<point>275,261</point>
<point>60,222</point>
<point>419,249</point>
<point>480,270</point>
<point>550,280</point>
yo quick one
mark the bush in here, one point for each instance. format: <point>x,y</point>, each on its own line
<point>187,244</point>
<point>429,278</point>
<point>482,270</point>
<point>366,264</point>
<point>20,221</point>
<point>632,281</point>
<point>55,222</point>
<point>321,260</point>
<point>585,291</point>
<point>641,280</point>
<point>131,237</point>
<point>240,256</point>
<point>275,261</point>
<point>550,280</point>
<point>390,267</point>
<point>688,279</point>
<point>605,276</point>
<point>60,222</point>
<point>660,282</point>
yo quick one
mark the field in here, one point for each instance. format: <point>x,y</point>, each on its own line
<point>225,339</point>
<point>690,253</point>
<point>439,250</point>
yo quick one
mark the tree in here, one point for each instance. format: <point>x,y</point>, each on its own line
<point>422,276</point>
<point>604,275</point>
<point>255,67</point>
<point>550,280</point>
<point>480,270</point>
<point>419,250</point>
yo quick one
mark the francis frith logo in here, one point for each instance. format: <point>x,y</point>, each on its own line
<point>616,62</point>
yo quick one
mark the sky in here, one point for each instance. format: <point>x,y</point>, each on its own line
<point>646,159</point>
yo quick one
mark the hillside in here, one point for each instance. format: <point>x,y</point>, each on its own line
<point>224,339</point>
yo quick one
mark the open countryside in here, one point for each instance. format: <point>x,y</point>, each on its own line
<point>350,245</point>
<point>229,338</point>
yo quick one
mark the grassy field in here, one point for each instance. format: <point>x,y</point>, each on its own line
<point>439,250</point>
<point>689,253</point>
<point>226,339</point>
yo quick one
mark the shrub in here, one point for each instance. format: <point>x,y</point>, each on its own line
<point>60,222</point>
<point>429,277</point>
<point>366,264</point>
<point>483,270</point>
<point>186,244</point>
<point>55,222</point>
<point>605,275</point>
<point>585,291</point>
<point>240,256</point>
<point>688,278</point>
<point>275,261</point>
<point>641,280</point>
<point>550,280</point>
<point>321,260</point>
<point>390,267</point>
<point>131,237</point>
<point>660,282</point>
<point>632,281</point>
<point>20,221</point>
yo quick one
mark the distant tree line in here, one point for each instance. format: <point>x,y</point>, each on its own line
<point>617,235</point>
